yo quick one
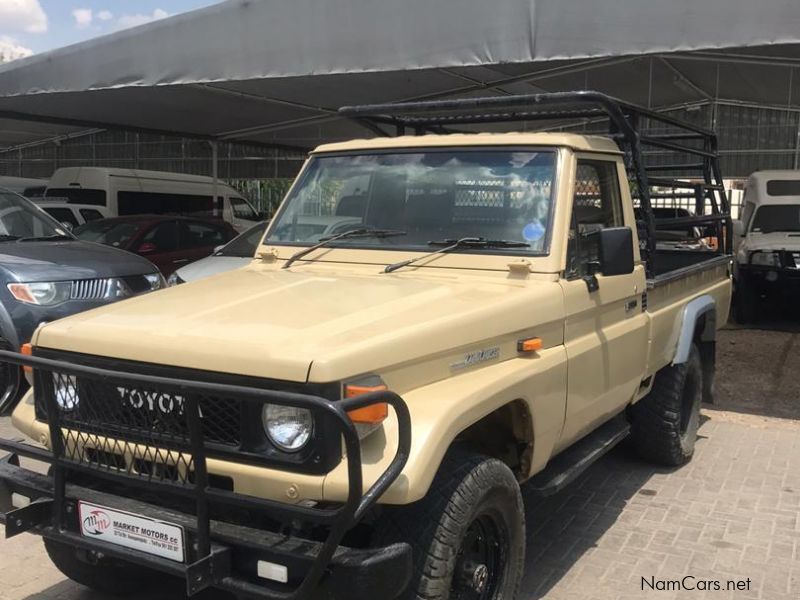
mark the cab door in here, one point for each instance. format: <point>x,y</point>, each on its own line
<point>606,329</point>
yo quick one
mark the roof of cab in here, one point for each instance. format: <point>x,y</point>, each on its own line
<point>589,143</point>
<point>775,174</point>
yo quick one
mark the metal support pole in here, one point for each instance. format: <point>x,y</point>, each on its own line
<point>215,174</point>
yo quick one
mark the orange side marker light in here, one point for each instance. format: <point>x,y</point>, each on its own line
<point>529,345</point>
<point>27,350</point>
<point>372,414</point>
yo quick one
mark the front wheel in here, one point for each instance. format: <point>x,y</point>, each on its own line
<point>467,535</point>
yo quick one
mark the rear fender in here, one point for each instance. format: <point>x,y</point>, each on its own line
<point>693,312</point>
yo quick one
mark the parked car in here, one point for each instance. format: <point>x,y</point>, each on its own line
<point>169,242</point>
<point>24,186</point>
<point>236,253</point>
<point>313,227</point>
<point>352,416</point>
<point>124,192</point>
<point>768,243</point>
<point>47,274</point>
<point>69,214</point>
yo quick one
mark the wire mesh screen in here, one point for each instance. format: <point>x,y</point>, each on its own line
<point>140,431</point>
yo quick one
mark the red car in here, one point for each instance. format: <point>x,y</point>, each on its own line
<point>169,242</point>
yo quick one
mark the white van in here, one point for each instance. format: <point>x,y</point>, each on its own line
<point>767,242</point>
<point>24,186</point>
<point>134,192</point>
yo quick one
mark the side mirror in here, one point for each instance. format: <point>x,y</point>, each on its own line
<point>146,248</point>
<point>616,251</point>
<point>738,228</point>
<point>66,225</point>
<point>218,248</point>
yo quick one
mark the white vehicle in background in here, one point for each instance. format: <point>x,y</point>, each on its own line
<point>124,192</point>
<point>767,242</point>
<point>236,253</point>
<point>24,186</point>
<point>69,214</point>
<point>241,250</point>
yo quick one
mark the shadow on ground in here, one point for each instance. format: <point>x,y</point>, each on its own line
<point>563,527</point>
<point>758,369</point>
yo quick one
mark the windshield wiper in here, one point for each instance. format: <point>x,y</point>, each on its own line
<point>8,238</point>
<point>46,238</point>
<point>451,245</point>
<point>353,233</point>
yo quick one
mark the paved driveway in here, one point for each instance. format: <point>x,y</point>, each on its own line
<point>732,515</point>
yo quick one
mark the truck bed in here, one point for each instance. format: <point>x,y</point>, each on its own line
<point>682,275</point>
<point>677,260</point>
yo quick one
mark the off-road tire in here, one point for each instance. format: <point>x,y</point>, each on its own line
<point>664,423</point>
<point>746,304</point>
<point>468,490</point>
<point>107,576</point>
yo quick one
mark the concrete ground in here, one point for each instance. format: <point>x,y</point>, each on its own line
<point>626,530</point>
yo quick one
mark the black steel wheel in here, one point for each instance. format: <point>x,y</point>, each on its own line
<point>467,535</point>
<point>479,564</point>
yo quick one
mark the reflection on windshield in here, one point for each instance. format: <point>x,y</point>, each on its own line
<point>21,219</point>
<point>433,195</point>
<point>779,217</point>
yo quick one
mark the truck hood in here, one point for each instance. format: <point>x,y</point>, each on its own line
<point>272,323</point>
<point>776,240</point>
<point>68,260</point>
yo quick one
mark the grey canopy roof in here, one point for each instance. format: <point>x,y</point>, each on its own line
<point>272,71</point>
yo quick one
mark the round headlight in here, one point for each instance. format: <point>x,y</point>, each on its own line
<point>287,427</point>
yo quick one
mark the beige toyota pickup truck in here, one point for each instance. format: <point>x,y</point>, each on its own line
<point>435,317</point>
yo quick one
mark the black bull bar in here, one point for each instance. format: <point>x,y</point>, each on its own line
<point>216,547</point>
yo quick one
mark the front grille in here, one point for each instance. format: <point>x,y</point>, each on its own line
<point>139,430</point>
<point>91,289</point>
<point>109,288</point>
<point>125,421</point>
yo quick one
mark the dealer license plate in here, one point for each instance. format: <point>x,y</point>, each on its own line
<point>132,531</point>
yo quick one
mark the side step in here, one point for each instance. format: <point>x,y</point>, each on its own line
<point>567,466</point>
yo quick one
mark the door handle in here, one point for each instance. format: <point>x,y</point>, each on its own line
<point>631,305</point>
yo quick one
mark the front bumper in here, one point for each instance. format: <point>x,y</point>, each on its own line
<point>218,553</point>
<point>766,280</point>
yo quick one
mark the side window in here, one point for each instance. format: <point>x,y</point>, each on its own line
<point>158,203</point>
<point>163,236</point>
<point>596,204</point>
<point>202,235</point>
<point>62,215</point>
<point>90,214</point>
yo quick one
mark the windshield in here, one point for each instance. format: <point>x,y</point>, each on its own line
<point>431,195</point>
<point>778,217</point>
<point>19,218</point>
<point>245,245</point>
<point>110,233</point>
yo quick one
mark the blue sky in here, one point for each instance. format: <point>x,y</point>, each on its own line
<point>33,26</point>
